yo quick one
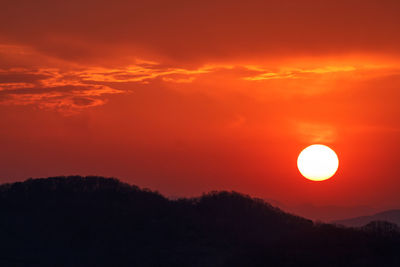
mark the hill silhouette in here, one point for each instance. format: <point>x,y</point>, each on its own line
<point>95,221</point>
<point>328,213</point>
<point>392,216</point>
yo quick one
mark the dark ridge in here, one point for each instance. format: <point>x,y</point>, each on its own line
<point>392,216</point>
<point>96,221</point>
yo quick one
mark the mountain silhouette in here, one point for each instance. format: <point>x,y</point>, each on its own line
<point>95,221</point>
<point>323,213</point>
<point>328,213</point>
<point>392,216</point>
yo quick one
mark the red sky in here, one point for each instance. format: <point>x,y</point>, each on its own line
<point>186,97</point>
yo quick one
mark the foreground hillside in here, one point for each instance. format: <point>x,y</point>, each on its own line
<point>95,221</point>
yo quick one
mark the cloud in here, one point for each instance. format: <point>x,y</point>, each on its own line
<point>53,84</point>
<point>295,73</point>
<point>193,32</point>
<point>73,89</point>
<point>50,89</point>
<point>316,132</point>
<point>140,73</point>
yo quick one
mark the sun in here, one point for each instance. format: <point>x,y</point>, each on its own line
<point>317,162</point>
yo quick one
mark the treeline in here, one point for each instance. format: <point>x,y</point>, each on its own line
<point>95,221</point>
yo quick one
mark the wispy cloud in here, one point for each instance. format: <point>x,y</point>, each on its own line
<point>70,91</point>
<point>70,88</point>
<point>140,73</point>
<point>51,89</point>
<point>315,132</point>
<point>295,73</point>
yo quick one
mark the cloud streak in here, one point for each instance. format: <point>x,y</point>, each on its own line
<point>71,91</point>
<point>70,88</point>
<point>51,89</point>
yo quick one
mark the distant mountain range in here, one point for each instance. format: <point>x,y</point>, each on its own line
<point>328,213</point>
<point>95,221</point>
<point>392,216</point>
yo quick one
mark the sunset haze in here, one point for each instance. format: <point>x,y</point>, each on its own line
<point>185,97</point>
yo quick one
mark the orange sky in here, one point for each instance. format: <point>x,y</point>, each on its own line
<point>186,97</point>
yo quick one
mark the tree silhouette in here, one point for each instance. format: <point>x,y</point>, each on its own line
<point>95,221</point>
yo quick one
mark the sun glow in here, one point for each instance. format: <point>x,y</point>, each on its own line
<point>317,162</point>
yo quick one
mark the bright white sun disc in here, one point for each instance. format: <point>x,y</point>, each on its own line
<point>318,162</point>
